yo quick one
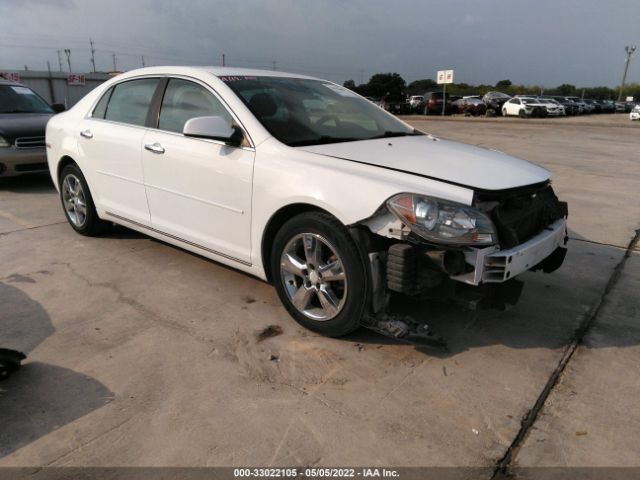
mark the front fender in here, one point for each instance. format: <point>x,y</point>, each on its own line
<point>349,191</point>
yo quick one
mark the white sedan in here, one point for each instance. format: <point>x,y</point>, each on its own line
<point>523,107</point>
<point>305,184</point>
<point>553,108</point>
<point>635,113</point>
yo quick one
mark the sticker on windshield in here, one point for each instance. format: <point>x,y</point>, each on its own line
<point>345,92</point>
<point>22,90</point>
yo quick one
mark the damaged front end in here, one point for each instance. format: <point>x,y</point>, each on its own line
<point>429,248</point>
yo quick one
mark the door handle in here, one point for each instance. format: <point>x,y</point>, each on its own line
<point>154,147</point>
<point>86,134</point>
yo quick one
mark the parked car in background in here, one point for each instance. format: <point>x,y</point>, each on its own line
<point>570,107</point>
<point>596,106</point>
<point>305,184</point>
<point>621,107</point>
<point>553,108</point>
<point>415,101</point>
<point>473,106</point>
<point>494,102</point>
<point>582,107</point>
<point>23,118</point>
<point>524,107</point>
<point>635,113</point>
<point>608,106</point>
<point>432,103</point>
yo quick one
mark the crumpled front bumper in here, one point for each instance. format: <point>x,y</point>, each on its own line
<point>492,265</point>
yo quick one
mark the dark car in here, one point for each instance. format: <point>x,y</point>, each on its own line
<point>596,106</point>
<point>23,118</point>
<point>570,107</point>
<point>469,106</point>
<point>608,106</point>
<point>432,103</point>
<point>494,102</point>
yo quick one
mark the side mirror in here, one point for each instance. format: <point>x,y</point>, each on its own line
<point>58,107</point>
<point>213,128</point>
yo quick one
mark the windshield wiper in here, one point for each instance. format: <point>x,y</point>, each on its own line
<point>390,134</point>
<point>323,140</point>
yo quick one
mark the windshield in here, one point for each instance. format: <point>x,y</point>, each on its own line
<point>300,111</point>
<point>19,99</point>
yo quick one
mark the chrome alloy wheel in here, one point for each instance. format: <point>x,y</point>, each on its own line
<point>313,276</point>
<point>74,200</point>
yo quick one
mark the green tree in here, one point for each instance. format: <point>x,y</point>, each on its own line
<point>385,85</point>
<point>566,89</point>
<point>350,84</point>
<point>503,83</point>
<point>419,87</point>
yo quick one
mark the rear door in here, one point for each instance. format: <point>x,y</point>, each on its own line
<point>199,190</point>
<point>110,143</point>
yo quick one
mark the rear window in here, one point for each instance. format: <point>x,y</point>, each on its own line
<point>129,102</point>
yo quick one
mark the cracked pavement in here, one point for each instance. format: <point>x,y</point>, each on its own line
<point>141,354</point>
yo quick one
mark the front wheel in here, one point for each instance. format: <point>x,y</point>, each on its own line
<point>77,202</point>
<point>319,275</point>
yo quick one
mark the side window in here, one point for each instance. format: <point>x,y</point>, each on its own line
<point>129,102</point>
<point>184,100</point>
<point>101,106</point>
<point>516,101</point>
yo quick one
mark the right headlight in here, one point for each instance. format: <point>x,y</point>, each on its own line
<point>3,142</point>
<point>442,221</point>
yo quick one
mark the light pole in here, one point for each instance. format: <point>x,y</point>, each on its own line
<point>67,52</point>
<point>629,49</point>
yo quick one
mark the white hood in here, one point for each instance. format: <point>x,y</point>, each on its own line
<point>445,160</point>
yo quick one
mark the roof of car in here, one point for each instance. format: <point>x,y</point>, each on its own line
<point>217,71</point>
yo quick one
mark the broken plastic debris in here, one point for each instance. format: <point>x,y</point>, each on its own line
<point>270,331</point>
<point>475,431</point>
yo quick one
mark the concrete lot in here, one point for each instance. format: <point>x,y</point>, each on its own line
<point>143,354</point>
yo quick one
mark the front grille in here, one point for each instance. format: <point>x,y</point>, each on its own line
<point>29,142</point>
<point>521,216</point>
<point>31,167</point>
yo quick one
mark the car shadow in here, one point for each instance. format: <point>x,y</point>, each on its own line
<point>37,183</point>
<point>40,397</point>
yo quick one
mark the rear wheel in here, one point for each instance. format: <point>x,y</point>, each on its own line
<point>522,113</point>
<point>319,275</point>
<point>77,202</point>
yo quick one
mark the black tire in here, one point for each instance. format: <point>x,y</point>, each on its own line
<point>355,298</point>
<point>522,113</point>
<point>92,224</point>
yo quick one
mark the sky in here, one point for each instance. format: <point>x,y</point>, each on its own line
<point>531,42</point>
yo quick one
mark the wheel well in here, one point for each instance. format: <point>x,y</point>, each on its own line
<point>64,161</point>
<point>275,223</point>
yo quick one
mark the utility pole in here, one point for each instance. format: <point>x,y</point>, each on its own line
<point>67,52</point>
<point>142,58</point>
<point>60,59</point>
<point>629,49</point>
<point>275,65</point>
<point>115,65</point>
<point>93,56</point>
<point>361,77</point>
<point>223,60</point>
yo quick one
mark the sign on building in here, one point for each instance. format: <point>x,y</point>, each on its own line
<point>11,76</point>
<point>75,79</point>
<point>445,76</point>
